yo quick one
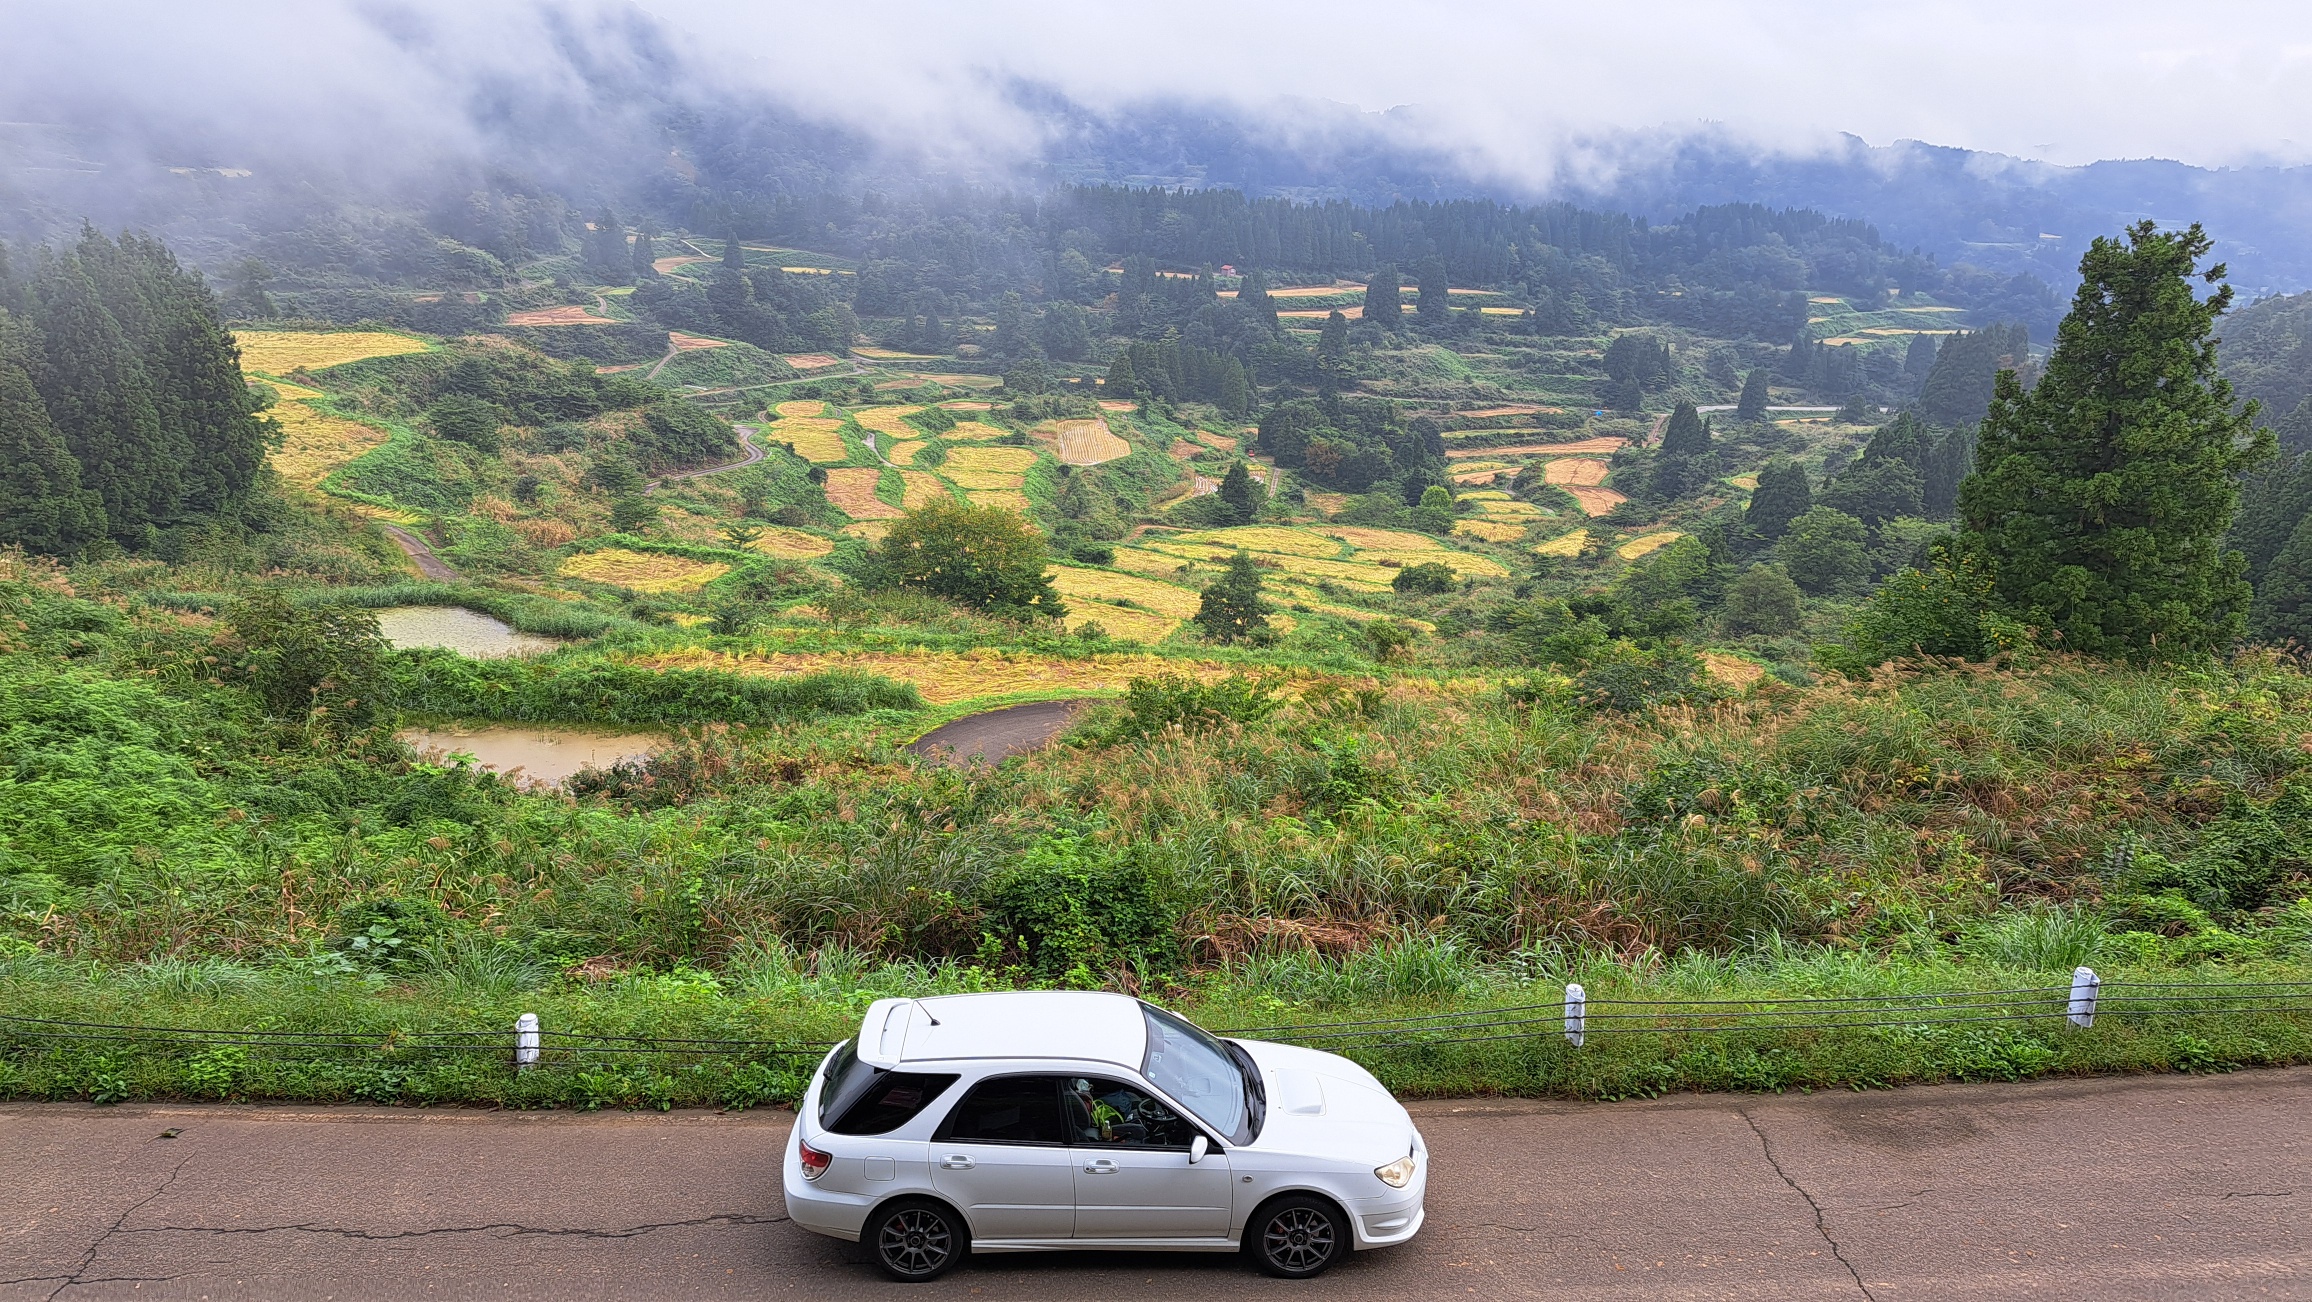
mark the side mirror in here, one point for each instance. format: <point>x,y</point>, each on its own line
<point>1197,1148</point>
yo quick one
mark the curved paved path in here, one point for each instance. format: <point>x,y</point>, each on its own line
<point>421,554</point>
<point>998,735</point>
<point>2132,1188</point>
<point>746,436</point>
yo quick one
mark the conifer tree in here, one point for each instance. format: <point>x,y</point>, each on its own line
<point>1384,300</point>
<point>1333,352</point>
<point>1121,381</point>
<point>1243,496</point>
<point>2101,497</point>
<point>1752,405</point>
<point>1232,608</point>
<point>2282,611</point>
<point>1436,299</point>
<point>1686,434</point>
<point>99,395</point>
<point>1782,496</point>
<point>734,255</point>
<point>43,508</point>
<point>645,257</point>
<point>1918,360</point>
<point>1253,293</point>
<point>196,372</point>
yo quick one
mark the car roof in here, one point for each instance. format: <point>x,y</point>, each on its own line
<point>1084,1024</point>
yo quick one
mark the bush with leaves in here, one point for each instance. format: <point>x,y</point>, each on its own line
<point>322,662</point>
<point>1428,578</point>
<point>1763,600</point>
<point>1947,609</point>
<point>1074,909</point>
<point>982,556</point>
<point>1154,706</point>
<point>1232,609</point>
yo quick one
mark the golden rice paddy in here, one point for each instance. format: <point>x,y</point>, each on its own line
<point>801,407</point>
<point>1565,544</point>
<point>812,361</point>
<point>814,438</point>
<point>852,490</point>
<point>557,316</point>
<point>1010,499</point>
<point>901,452</point>
<point>1744,481</point>
<point>790,544</point>
<point>1497,531</point>
<point>921,488</point>
<point>945,677</point>
<point>1575,470</point>
<point>1013,460</point>
<point>1086,442</point>
<point>1360,537</point>
<point>314,444</point>
<point>1579,447</point>
<point>888,420</point>
<point>1647,544</point>
<point>1266,538</point>
<point>278,352</point>
<point>1594,501</point>
<point>972,431</point>
<point>982,480</point>
<point>644,572</point>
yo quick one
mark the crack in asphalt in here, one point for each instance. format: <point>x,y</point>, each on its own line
<point>1820,1228</point>
<point>2284,1193</point>
<point>511,1229</point>
<point>89,1257</point>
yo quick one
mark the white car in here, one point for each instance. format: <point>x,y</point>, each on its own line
<point>1034,1121</point>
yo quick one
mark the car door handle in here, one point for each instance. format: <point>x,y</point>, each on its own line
<point>957,1163</point>
<point>1101,1166</point>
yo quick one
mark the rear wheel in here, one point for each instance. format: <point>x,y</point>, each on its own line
<point>1297,1237</point>
<point>916,1242</point>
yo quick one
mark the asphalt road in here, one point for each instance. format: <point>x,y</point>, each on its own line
<point>2159,1187</point>
<point>421,554</point>
<point>998,735</point>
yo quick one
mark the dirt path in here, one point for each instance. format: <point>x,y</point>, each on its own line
<point>421,553</point>
<point>998,734</point>
<point>2145,1187</point>
<point>754,454</point>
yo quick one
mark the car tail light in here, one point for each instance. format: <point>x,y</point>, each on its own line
<point>814,1161</point>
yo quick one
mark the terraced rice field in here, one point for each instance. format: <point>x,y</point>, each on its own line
<point>1748,483</point>
<point>812,361</point>
<point>644,572</point>
<point>945,677</point>
<point>814,438</point>
<point>922,488</point>
<point>1011,460</point>
<point>1600,446</point>
<point>790,544</point>
<point>1085,442</point>
<point>1595,501</point>
<point>900,452</point>
<point>852,490</point>
<point>801,407</point>
<point>1567,471</point>
<point>1354,312</point>
<point>683,343</point>
<point>1647,545</point>
<point>972,431</point>
<point>889,421</point>
<point>1156,609</point>
<point>1183,450</point>
<point>557,316</point>
<point>278,352</point>
<point>1490,530</point>
<point>1565,544</point>
<point>313,444</point>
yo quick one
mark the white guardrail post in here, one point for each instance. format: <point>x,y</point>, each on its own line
<point>2084,987</point>
<point>525,1041</point>
<point>1576,1014</point>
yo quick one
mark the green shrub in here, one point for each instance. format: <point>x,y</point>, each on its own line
<point>1069,905</point>
<point>1156,705</point>
<point>551,690</point>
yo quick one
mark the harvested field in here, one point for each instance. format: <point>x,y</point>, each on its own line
<point>901,453</point>
<point>1513,409</point>
<point>1595,501</point>
<point>852,490</point>
<point>683,343</point>
<point>665,265</point>
<point>557,316</point>
<point>812,361</point>
<point>1354,312</point>
<point>922,488</point>
<point>790,544</point>
<point>278,352</point>
<point>945,677</point>
<point>801,407</point>
<point>982,480</point>
<point>1014,460</point>
<point>871,530</point>
<point>892,355</point>
<point>1085,442</point>
<point>1495,531</point>
<point>1110,587</point>
<point>1011,499</point>
<point>1120,621</point>
<point>1745,482</point>
<point>1266,538</point>
<point>1183,450</point>
<point>313,444</point>
<point>966,404</point>
<point>1575,470</point>
<point>645,572</point>
<point>1110,404</point>
<point>1579,447</point>
<point>1319,291</point>
<point>1649,543</point>
<point>1499,311</point>
<point>888,420</point>
<point>815,438</point>
<point>1225,442</point>
<point>1565,544</point>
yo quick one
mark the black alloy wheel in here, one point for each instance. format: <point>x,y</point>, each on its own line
<point>1298,1237</point>
<point>916,1242</point>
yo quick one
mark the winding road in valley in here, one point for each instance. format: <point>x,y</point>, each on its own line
<point>2148,1187</point>
<point>746,435</point>
<point>421,554</point>
<point>997,735</point>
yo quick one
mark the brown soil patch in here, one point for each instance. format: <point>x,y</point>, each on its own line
<point>1732,670</point>
<point>1575,470</point>
<point>812,361</point>
<point>1107,404</point>
<point>1595,501</point>
<point>1576,448</point>
<point>683,343</point>
<point>1318,291</point>
<point>1086,442</point>
<point>554,316</point>
<point>1354,312</point>
<point>1224,442</point>
<point>1183,450</point>
<point>852,489</point>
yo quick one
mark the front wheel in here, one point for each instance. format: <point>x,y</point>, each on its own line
<point>1297,1237</point>
<point>916,1242</point>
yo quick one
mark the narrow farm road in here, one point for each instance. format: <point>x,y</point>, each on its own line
<point>421,554</point>
<point>2128,1188</point>
<point>997,735</point>
<point>746,434</point>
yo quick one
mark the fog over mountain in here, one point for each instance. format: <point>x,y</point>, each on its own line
<point>1763,103</point>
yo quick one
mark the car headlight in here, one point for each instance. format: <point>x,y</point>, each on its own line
<point>1397,1174</point>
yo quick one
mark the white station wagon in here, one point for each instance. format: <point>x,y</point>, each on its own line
<point>1034,1121</point>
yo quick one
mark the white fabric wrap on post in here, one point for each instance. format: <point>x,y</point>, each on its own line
<point>526,1040</point>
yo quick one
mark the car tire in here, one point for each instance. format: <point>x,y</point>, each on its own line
<point>915,1240</point>
<point>1297,1237</point>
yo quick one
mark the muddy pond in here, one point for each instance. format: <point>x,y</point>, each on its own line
<point>534,756</point>
<point>454,628</point>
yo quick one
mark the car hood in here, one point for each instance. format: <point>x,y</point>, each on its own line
<point>1323,1104</point>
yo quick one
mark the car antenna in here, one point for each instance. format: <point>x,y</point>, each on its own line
<point>926,1011</point>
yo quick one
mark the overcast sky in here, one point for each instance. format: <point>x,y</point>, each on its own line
<point>2214,82</point>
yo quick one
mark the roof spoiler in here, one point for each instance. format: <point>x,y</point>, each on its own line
<point>883,1032</point>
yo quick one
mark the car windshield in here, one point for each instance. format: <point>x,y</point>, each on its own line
<point>1197,1071</point>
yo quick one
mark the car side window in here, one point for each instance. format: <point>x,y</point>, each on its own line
<point>1104,1113</point>
<point>1008,1110</point>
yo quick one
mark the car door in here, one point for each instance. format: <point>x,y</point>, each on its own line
<point>1133,1176</point>
<point>1002,1157</point>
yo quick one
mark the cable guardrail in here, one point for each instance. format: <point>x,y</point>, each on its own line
<point>1574,1018</point>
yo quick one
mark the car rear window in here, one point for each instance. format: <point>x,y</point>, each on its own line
<point>864,1100</point>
